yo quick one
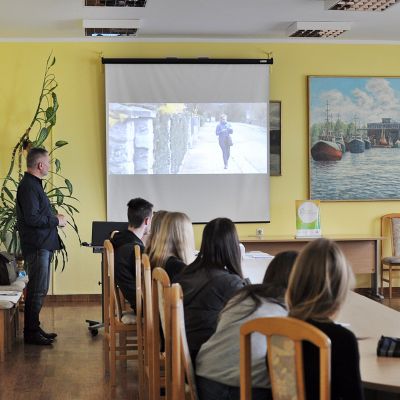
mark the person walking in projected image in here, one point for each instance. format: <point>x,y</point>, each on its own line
<point>224,131</point>
<point>37,225</point>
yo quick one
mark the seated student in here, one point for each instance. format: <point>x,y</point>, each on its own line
<point>210,281</point>
<point>156,223</point>
<point>318,286</point>
<point>140,212</point>
<point>217,364</point>
<point>172,246</point>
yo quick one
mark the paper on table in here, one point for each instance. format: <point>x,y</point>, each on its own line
<point>10,296</point>
<point>258,254</point>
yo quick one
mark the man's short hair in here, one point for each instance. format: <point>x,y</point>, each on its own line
<point>35,153</point>
<point>138,210</point>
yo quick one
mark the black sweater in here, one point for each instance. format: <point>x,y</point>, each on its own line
<point>205,293</point>
<point>124,263</point>
<point>345,364</point>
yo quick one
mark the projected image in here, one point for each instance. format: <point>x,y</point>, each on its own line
<point>187,138</point>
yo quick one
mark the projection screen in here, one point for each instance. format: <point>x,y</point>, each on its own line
<point>190,137</point>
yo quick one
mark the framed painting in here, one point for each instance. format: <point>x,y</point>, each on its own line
<point>354,138</point>
<point>275,138</point>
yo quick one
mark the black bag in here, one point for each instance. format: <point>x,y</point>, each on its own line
<point>228,140</point>
<point>388,347</point>
<point>8,268</point>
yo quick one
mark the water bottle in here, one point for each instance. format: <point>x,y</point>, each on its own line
<point>21,274</point>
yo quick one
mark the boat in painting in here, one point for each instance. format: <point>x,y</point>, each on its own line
<point>367,143</point>
<point>340,141</point>
<point>326,148</point>
<point>356,145</point>
<point>355,141</point>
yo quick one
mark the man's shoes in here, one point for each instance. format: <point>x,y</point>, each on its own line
<point>50,335</point>
<point>38,339</point>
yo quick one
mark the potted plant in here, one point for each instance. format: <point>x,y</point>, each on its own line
<point>58,188</point>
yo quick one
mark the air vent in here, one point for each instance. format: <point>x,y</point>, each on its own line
<point>110,32</point>
<point>317,29</point>
<point>359,5</point>
<point>119,27</point>
<point>115,3</point>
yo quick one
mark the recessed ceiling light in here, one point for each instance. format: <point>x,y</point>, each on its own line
<point>359,5</point>
<point>118,27</point>
<point>318,29</point>
<point>115,3</point>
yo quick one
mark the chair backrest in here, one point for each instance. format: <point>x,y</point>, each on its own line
<point>182,383</point>
<point>139,319</point>
<point>115,309</point>
<point>285,356</point>
<point>160,282</point>
<point>390,229</point>
<point>148,320</point>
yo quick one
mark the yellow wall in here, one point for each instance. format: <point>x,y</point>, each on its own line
<point>81,121</point>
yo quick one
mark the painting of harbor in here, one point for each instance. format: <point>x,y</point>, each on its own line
<point>354,128</point>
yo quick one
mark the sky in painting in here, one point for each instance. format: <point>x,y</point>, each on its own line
<point>363,99</point>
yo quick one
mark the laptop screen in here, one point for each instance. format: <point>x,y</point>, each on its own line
<point>101,230</point>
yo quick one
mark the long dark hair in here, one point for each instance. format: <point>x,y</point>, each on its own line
<point>219,247</point>
<point>273,288</point>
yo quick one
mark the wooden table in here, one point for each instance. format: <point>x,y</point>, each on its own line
<point>363,252</point>
<point>369,320</point>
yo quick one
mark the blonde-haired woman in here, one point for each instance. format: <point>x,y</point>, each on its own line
<point>318,286</point>
<point>172,246</point>
<point>156,223</point>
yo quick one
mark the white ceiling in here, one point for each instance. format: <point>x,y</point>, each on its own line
<point>183,19</point>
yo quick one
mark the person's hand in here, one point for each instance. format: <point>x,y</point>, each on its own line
<point>62,221</point>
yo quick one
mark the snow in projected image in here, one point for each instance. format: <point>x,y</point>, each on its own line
<point>187,138</point>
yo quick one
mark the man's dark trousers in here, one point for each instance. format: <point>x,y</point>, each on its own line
<point>37,265</point>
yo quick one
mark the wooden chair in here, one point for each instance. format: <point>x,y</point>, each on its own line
<point>148,326</point>
<point>181,385</point>
<point>160,374</point>
<point>139,321</point>
<point>390,230</point>
<point>285,356</point>
<point>116,328</point>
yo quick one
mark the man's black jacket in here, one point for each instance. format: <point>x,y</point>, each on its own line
<point>36,222</point>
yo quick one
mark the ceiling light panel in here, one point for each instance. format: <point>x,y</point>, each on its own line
<point>359,5</point>
<point>318,29</point>
<point>109,27</point>
<point>115,3</point>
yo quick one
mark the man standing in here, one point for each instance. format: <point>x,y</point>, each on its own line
<point>37,226</point>
<point>140,213</point>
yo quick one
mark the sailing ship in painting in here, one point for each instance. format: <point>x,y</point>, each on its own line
<point>327,148</point>
<point>334,139</point>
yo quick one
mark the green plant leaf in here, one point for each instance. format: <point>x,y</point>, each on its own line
<point>8,192</point>
<point>57,162</point>
<point>53,62</point>
<point>72,208</point>
<point>51,116</point>
<point>61,143</point>
<point>55,101</point>
<point>60,197</point>
<point>69,186</point>
<point>44,133</point>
